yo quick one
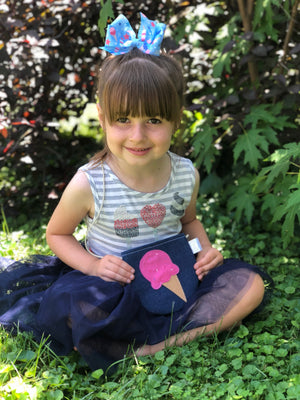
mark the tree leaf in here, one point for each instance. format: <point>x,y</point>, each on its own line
<point>204,150</point>
<point>290,209</point>
<point>222,62</point>
<point>276,170</point>
<point>290,151</point>
<point>294,197</point>
<point>243,199</point>
<point>249,143</point>
<point>258,12</point>
<point>281,159</point>
<point>287,230</point>
<point>106,12</point>
<point>270,134</point>
<point>270,201</point>
<point>260,113</point>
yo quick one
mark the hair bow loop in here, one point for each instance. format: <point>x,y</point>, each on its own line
<point>121,38</point>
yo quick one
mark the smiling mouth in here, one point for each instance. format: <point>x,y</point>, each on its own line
<point>138,150</point>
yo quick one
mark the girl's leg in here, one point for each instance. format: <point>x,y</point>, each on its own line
<point>251,299</point>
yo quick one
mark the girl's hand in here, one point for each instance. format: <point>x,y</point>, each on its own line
<point>207,259</point>
<point>112,269</point>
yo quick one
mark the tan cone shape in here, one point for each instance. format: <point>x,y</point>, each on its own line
<point>175,286</point>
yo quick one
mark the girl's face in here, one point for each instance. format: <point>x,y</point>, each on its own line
<point>138,141</point>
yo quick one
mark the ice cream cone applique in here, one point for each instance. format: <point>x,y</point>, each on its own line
<point>157,267</point>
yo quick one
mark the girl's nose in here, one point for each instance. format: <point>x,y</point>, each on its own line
<point>137,132</point>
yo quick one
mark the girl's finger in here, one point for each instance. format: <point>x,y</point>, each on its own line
<point>114,269</point>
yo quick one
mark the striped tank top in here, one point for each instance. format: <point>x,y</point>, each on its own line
<point>125,218</point>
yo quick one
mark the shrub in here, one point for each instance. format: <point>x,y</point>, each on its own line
<point>244,105</point>
<point>48,53</point>
<point>241,65</point>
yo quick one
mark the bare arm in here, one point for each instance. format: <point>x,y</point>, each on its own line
<point>209,257</point>
<point>76,203</point>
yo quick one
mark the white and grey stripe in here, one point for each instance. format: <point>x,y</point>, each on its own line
<point>129,218</point>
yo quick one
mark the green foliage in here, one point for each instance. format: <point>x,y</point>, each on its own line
<point>226,51</point>
<point>204,136</point>
<point>242,199</point>
<point>241,114</point>
<point>255,140</point>
<point>106,13</point>
<point>242,135</point>
<point>279,183</point>
<point>258,360</point>
<point>264,14</point>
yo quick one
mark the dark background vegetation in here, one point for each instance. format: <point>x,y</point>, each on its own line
<point>241,127</point>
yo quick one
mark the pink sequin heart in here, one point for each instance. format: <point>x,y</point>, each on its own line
<point>153,215</point>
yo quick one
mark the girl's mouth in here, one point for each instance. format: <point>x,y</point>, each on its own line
<point>138,151</point>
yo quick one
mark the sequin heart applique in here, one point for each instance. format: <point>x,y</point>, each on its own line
<point>153,215</point>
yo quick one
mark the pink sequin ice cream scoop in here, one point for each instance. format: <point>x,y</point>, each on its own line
<point>157,267</point>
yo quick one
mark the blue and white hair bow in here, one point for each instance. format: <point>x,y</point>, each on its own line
<point>121,38</point>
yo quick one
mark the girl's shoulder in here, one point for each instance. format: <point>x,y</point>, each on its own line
<point>92,171</point>
<point>182,165</point>
<point>95,176</point>
<point>180,159</point>
<point>89,167</point>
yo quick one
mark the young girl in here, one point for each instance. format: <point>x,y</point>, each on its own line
<point>132,193</point>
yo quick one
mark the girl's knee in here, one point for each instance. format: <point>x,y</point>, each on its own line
<point>251,298</point>
<point>257,290</point>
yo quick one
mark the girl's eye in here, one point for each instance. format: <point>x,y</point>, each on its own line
<point>154,121</point>
<point>123,120</point>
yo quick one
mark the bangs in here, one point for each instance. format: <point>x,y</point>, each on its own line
<point>139,88</point>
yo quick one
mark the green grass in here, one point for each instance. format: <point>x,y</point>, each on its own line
<point>258,360</point>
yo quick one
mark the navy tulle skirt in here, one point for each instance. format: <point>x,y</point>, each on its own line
<point>105,320</point>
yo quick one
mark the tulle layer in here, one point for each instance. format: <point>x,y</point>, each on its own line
<point>104,320</point>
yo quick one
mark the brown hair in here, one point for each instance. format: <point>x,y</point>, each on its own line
<point>140,84</point>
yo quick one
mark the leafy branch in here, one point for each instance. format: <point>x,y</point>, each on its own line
<point>279,183</point>
<point>289,32</point>
<point>246,11</point>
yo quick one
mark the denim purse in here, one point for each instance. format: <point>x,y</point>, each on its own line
<point>165,278</point>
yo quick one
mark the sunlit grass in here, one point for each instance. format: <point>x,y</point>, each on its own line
<point>259,360</point>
